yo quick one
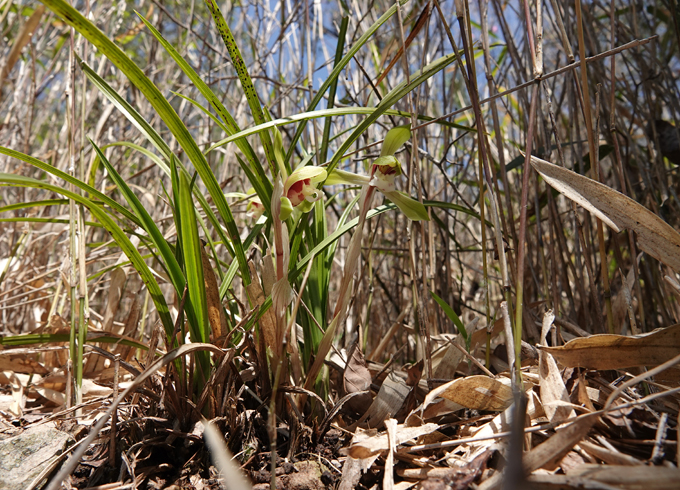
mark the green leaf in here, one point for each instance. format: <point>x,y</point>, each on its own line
<point>229,125</point>
<point>193,264</point>
<point>409,206</point>
<point>391,98</point>
<point>342,33</point>
<point>451,316</point>
<point>337,70</point>
<point>44,338</point>
<point>33,204</point>
<point>163,108</point>
<point>71,180</point>
<point>148,224</point>
<point>244,77</point>
<point>337,111</point>
<point>128,111</point>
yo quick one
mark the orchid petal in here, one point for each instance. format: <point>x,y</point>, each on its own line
<point>348,178</point>
<point>413,209</point>
<point>314,174</point>
<point>286,208</point>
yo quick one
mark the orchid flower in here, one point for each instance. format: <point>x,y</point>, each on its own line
<point>384,171</point>
<point>300,188</point>
<point>300,191</point>
<point>254,208</point>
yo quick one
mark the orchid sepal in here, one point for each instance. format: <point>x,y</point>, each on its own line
<point>394,139</point>
<point>348,178</point>
<point>413,209</point>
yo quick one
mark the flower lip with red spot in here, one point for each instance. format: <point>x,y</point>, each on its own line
<point>296,192</point>
<point>300,188</point>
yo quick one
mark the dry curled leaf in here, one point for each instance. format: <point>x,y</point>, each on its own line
<point>357,378</point>
<point>654,235</point>
<point>218,322</point>
<point>619,351</point>
<point>378,443</point>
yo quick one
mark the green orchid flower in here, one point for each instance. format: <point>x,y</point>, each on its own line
<point>300,190</point>
<point>384,171</point>
<point>254,208</point>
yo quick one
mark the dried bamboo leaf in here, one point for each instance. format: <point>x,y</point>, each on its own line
<point>354,467</point>
<point>257,298</point>
<point>118,278</point>
<point>20,41</point>
<point>478,393</point>
<point>553,389</point>
<point>218,322</point>
<point>388,401</point>
<point>357,378</point>
<point>654,236</point>
<point>619,351</point>
<point>630,477</point>
<point>366,447</point>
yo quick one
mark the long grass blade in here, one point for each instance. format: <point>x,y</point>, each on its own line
<point>163,108</point>
<point>244,77</point>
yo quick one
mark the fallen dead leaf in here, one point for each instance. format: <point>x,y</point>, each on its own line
<point>478,393</point>
<point>630,477</point>
<point>619,351</point>
<point>654,235</point>
<point>365,447</point>
<point>553,390</point>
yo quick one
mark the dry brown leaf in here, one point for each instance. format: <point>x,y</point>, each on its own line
<point>388,401</point>
<point>630,477</point>
<point>609,455</point>
<point>118,278</point>
<point>457,478</point>
<point>446,360</point>
<point>478,393</point>
<point>553,389</point>
<point>388,480</point>
<point>21,41</point>
<point>218,323</point>
<point>367,446</point>
<point>20,363</point>
<point>619,351</point>
<point>357,378</point>
<point>16,408</point>
<point>257,298</point>
<point>654,235</point>
<point>354,467</point>
<point>549,453</point>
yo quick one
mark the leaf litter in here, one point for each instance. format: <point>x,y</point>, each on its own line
<point>578,419</point>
